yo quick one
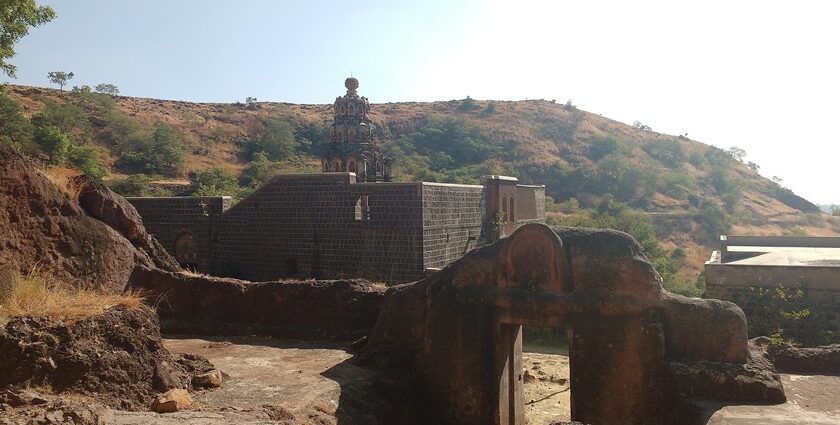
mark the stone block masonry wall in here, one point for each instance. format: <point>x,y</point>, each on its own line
<point>169,218</point>
<point>328,226</point>
<point>823,304</point>
<point>452,216</point>
<point>530,203</point>
<point>324,225</point>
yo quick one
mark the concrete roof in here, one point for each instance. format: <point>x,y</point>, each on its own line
<point>787,256</point>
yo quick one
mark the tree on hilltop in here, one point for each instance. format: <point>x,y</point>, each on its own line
<point>16,16</point>
<point>108,89</point>
<point>60,77</point>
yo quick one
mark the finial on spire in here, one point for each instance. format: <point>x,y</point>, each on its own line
<point>352,84</point>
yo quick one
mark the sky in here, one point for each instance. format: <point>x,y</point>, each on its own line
<point>760,75</point>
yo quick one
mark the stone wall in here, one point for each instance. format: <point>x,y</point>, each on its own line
<point>329,226</point>
<point>452,218</point>
<point>823,304</point>
<point>205,305</point>
<point>169,218</point>
<point>323,225</point>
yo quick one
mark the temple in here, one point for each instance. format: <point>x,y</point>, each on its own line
<point>350,220</point>
<point>353,146</point>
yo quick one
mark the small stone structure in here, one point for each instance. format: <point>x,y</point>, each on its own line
<point>745,262</point>
<point>638,354</point>
<point>349,221</point>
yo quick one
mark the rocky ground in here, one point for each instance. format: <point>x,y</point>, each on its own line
<point>291,382</point>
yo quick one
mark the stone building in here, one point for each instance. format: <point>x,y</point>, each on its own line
<point>747,262</point>
<point>350,220</point>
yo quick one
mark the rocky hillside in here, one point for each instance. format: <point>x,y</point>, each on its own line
<point>590,164</point>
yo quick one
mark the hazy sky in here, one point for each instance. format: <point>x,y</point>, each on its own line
<point>761,75</point>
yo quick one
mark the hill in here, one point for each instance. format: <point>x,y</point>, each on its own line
<point>599,172</point>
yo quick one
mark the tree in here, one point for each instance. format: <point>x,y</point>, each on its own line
<point>108,89</point>
<point>15,129</point>
<point>60,77</point>
<point>16,16</point>
<point>53,141</point>
<point>156,151</point>
<point>467,105</point>
<point>641,126</point>
<point>277,141</point>
<point>737,153</point>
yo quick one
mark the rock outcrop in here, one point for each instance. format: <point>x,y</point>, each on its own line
<point>118,357</point>
<point>807,360</point>
<point>43,226</point>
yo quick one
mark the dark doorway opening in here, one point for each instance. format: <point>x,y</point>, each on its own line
<point>291,267</point>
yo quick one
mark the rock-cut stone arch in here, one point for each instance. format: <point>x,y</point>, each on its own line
<point>637,353</point>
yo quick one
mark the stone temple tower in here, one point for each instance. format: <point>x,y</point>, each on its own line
<point>353,146</point>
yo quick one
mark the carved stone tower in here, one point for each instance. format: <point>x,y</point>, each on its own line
<point>353,146</point>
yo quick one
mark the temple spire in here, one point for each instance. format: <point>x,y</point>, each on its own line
<point>353,145</point>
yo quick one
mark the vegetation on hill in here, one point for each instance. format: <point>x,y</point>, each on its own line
<point>673,194</point>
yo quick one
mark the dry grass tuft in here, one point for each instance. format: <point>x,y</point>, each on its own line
<point>64,180</point>
<point>36,294</point>
<point>192,273</point>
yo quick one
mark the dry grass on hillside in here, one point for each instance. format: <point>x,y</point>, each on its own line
<point>36,294</point>
<point>64,180</point>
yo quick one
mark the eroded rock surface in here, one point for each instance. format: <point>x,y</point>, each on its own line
<point>814,360</point>
<point>117,357</point>
<point>456,335</point>
<point>205,305</point>
<point>41,226</point>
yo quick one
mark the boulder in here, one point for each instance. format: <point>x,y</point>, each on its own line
<point>102,203</point>
<point>212,379</point>
<point>43,227</point>
<point>172,401</point>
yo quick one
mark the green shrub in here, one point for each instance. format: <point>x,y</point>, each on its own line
<point>70,119</point>
<point>214,182</point>
<point>156,150</point>
<point>601,147</point>
<point>136,185</point>
<point>53,141</point>
<point>277,141</point>
<point>15,129</point>
<point>669,152</point>
<point>86,158</point>
<point>467,105</point>
<point>784,313</point>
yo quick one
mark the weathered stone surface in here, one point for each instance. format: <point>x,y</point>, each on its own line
<point>815,360</point>
<point>212,379</point>
<point>345,309</point>
<point>172,401</point>
<point>117,357</point>
<point>456,335</point>
<point>42,227</point>
<point>112,209</point>
<point>754,381</point>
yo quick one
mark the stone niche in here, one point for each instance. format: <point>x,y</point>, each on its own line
<point>638,354</point>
